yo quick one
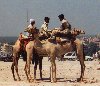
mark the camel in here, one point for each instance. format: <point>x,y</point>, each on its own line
<point>16,50</point>
<point>54,50</point>
<point>16,54</point>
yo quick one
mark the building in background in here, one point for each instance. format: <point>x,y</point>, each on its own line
<point>5,50</point>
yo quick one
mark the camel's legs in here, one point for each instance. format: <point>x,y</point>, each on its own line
<point>15,65</point>
<point>25,69</point>
<point>53,70</point>
<point>40,66</point>
<point>12,68</point>
<point>37,60</point>
<point>35,68</point>
<point>16,68</point>
<point>28,69</point>
<point>82,70</point>
<point>80,54</point>
<point>82,58</point>
<point>41,74</point>
<point>34,74</point>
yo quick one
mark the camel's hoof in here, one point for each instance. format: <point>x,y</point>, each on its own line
<point>19,79</point>
<point>41,79</point>
<point>35,81</point>
<point>29,80</point>
<point>79,80</point>
<point>15,79</point>
<point>54,81</point>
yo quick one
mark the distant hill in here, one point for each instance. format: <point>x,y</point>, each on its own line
<point>8,39</point>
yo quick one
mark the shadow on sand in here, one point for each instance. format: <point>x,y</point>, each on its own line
<point>58,80</point>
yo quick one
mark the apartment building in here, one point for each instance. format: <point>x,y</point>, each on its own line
<point>5,49</point>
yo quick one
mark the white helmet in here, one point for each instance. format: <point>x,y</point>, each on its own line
<point>32,20</point>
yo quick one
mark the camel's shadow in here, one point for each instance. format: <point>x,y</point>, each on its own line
<point>58,80</point>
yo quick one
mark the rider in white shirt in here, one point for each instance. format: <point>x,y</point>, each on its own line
<point>30,26</point>
<point>44,27</point>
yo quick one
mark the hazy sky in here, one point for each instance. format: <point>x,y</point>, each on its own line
<point>84,14</point>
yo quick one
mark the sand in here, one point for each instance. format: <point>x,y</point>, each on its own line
<point>67,73</point>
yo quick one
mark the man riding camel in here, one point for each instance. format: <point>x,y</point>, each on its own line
<point>24,39</point>
<point>64,31</point>
<point>30,26</point>
<point>44,27</point>
<point>65,26</point>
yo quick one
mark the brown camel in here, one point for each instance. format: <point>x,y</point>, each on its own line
<point>53,51</point>
<point>17,50</point>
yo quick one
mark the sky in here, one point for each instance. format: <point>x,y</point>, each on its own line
<point>83,14</point>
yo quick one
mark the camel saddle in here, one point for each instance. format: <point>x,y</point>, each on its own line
<point>23,43</point>
<point>60,40</point>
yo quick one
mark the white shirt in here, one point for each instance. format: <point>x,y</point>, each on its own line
<point>44,26</point>
<point>63,21</point>
<point>30,27</point>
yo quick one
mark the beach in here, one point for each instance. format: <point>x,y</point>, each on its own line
<point>67,73</point>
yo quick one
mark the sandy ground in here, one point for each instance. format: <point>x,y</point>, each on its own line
<point>67,73</point>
